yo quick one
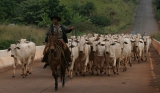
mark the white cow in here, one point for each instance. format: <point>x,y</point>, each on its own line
<point>23,54</point>
<point>138,49</point>
<point>147,43</point>
<point>75,54</point>
<point>113,56</point>
<point>126,53</point>
<point>84,51</point>
<point>99,55</point>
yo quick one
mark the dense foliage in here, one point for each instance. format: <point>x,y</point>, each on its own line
<point>88,16</point>
<point>157,8</point>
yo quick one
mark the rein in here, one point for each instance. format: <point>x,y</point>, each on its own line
<point>61,52</point>
<point>56,49</point>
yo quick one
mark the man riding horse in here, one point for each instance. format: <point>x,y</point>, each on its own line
<point>61,31</point>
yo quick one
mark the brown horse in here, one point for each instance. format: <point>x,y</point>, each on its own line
<point>56,59</point>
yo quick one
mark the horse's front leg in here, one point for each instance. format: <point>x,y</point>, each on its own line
<point>55,74</point>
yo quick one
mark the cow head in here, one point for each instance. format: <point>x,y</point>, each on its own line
<point>82,44</point>
<point>107,45</point>
<point>13,49</point>
<point>95,44</point>
<point>138,42</point>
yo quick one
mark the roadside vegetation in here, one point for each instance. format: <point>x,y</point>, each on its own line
<point>32,17</point>
<point>156,4</point>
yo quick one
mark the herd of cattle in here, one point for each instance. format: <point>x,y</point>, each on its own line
<point>90,53</point>
<point>101,53</point>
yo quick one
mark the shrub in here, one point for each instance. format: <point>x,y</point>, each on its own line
<point>4,44</point>
<point>100,20</point>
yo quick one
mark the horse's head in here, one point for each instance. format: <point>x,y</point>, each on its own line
<point>52,38</point>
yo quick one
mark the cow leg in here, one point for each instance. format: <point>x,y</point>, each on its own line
<point>14,70</point>
<point>85,66</point>
<point>90,66</point>
<point>101,68</point>
<point>71,68</point>
<point>97,68</point>
<point>117,66</point>
<point>22,69</point>
<point>142,56</point>
<point>25,70</point>
<point>31,65</point>
<point>146,55</point>
<point>114,65</point>
<point>125,62</point>
<point>108,70</point>
<point>130,61</point>
<point>108,67</point>
<point>135,56</point>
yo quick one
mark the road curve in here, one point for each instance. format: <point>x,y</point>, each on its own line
<point>137,79</point>
<point>144,20</point>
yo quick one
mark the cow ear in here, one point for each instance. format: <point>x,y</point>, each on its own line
<point>87,40</point>
<point>9,49</point>
<point>140,41</point>
<point>77,41</point>
<point>113,44</point>
<point>26,41</point>
<point>17,48</point>
<point>125,42</point>
<point>97,39</point>
<point>72,46</point>
<point>18,41</point>
<point>105,40</point>
<point>98,44</point>
<point>88,43</point>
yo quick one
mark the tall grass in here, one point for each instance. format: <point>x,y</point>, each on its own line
<point>10,34</point>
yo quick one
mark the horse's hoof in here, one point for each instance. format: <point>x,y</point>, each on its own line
<point>56,89</point>
<point>108,74</point>
<point>63,85</point>
<point>30,72</point>
<point>130,65</point>
<point>13,76</point>
<point>97,74</point>
<point>117,73</point>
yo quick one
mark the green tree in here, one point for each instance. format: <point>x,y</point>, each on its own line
<point>6,9</point>
<point>30,11</point>
<point>100,20</point>
<point>55,8</point>
<point>86,9</point>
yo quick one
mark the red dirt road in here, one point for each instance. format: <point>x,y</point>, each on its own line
<point>137,79</point>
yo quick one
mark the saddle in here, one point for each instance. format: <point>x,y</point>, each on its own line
<point>62,44</point>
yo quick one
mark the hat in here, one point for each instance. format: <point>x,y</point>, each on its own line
<point>56,17</point>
